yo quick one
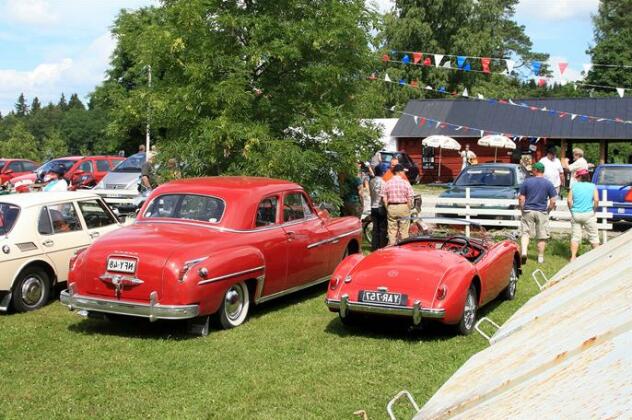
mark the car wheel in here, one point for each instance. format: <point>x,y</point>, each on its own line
<point>31,290</point>
<point>235,306</point>
<point>510,291</point>
<point>468,320</point>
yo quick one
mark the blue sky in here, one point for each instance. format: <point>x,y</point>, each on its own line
<point>53,46</point>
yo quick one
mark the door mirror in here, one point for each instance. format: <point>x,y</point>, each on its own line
<point>323,214</point>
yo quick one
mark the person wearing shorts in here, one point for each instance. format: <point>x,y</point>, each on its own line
<point>583,199</point>
<point>536,200</point>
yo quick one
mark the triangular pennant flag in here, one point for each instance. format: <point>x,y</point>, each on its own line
<point>536,66</point>
<point>416,118</point>
<point>621,92</point>
<point>386,78</point>
<point>422,122</point>
<point>512,102</point>
<point>479,96</point>
<point>442,89</point>
<point>587,68</point>
<point>438,58</point>
<point>417,56</point>
<point>573,116</point>
<point>447,65</point>
<point>458,128</point>
<point>562,66</point>
<point>427,62</point>
<point>438,124</point>
<point>414,84</point>
<point>541,82</point>
<point>485,64</point>
<point>460,61</point>
<point>406,59</point>
<point>428,87</point>
<point>467,67</point>
<point>465,93</point>
<point>386,58</point>
<point>402,82</point>
<point>563,114</point>
<point>510,65</point>
<point>482,133</point>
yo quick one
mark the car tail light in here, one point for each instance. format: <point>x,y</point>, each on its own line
<point>188,265</point>
<point>75,256</point>
<point>335,281</point>
<point>628,196</point>
<point>442,291</point>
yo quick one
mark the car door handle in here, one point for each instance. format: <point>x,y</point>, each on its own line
<point>48,243</point>
<point>94,235</point>
<point>290,233</point>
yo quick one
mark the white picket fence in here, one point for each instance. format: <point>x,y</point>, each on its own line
<point>505,212</point>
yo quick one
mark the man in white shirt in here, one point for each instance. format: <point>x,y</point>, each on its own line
<point>578,163</point>
<point>55,178</point>
<point>467,157</point>
<point>553,170</point>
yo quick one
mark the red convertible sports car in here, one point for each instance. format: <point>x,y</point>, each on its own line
<point>442,275</point>
<point>211,246</point>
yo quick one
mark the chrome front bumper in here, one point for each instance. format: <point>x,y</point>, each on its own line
<point>153,310</point>
<point>417,312</point>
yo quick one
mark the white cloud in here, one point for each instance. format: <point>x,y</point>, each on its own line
<point>556,10</point>
<point>32,12</point>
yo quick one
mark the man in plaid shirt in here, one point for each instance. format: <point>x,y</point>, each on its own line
<point>398,198</point>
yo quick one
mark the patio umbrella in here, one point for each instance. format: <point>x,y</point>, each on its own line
<point>442,142</point>
<point>497,141</point>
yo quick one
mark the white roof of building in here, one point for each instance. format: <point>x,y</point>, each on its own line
<point>38,198</point>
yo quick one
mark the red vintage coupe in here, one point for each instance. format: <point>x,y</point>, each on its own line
<point>211,246</point>
<point>441,275</point>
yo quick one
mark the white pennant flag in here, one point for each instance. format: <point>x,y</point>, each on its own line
<point>465,93</point>
<point>511,102</point>
<point>482,133</point>
<point>620,91</point>
<point>479,96</point>
<point>510,65</point>
<point>428,87</point>
<point>601,119</point>
<point>438,124</point>
<point>587,68</point>
<point>386,78</point>
<point>447,65</point>
<point>573,116</point>
<point>438,58</point>
<point>458,128</point>
<point>537,140</point>
<point>543,108</point>
<point>416,118</point>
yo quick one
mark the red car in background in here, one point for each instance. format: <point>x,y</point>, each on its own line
<point>11,168</point>
<point>211,246</point>
<point>80,170</point>
<point>441,275</point>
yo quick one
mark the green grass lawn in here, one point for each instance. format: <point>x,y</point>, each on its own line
<point>292,359</point>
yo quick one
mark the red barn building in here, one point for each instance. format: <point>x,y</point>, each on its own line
<point>532,129</point>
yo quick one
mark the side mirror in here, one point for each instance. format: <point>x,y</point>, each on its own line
<point>323,213</point>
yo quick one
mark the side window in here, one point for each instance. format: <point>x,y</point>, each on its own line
<point>103,165</point>
<point>86,166</point>
<point>16,167</point>
<point>64,218</point>
<point>29,166</point>
<point>266,212</point>
<point>44,225</point>
<point>95,214</point>
<point>295,207</point>
<point>115,162</point>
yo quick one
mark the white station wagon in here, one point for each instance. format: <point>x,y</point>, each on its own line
<point>39,234</point>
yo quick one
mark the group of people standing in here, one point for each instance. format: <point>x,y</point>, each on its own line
<point>539,195</point>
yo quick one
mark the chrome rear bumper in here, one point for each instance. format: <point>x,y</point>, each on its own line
<point>417,312</point>
<point>153,310</point>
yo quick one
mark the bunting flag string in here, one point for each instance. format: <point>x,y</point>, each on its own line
<point>465,94</point>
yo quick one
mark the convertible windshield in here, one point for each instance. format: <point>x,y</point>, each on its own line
<point>67,163</point>
<point>446,228</point>
<point>133,163</point>
<point>621,175</point>
<point>186,206</point>
<point>481,176</point>
<point>8,216</point>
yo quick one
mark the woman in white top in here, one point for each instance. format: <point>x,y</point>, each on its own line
<point>55,178</point>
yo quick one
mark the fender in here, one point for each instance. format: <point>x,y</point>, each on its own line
<point>39,259</point>
<point>457,279</point>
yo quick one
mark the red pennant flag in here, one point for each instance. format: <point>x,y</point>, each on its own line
<point>534,108</point>
<point>417,56</point>
<point>502,101</point>
<point>427,61</point>
<point>562,66</point>
<point>541,82</point>
<point>386,58</point>
<point>485,63</point>
<point>563,114</point>
<point>414,84</point>
<point>454,93</point>
<point>422,122</point>
<point>443,125</point>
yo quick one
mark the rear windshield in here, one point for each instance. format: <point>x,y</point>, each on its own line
<point>133,163</point>
<point>8,216</point>
<point>186,206</point>
<point>621,175</point>
<point>477,176</point>
<point>65,162</point>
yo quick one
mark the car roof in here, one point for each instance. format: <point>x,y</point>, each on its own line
<point>16,159</point>
<point>613,165</point>
<point>501,165</point>
<point>38,198</point>
<point>226,184</point>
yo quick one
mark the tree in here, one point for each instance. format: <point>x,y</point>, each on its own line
<point>35,105</point>
<point>75,102</point>
<point>20,143</point>
<point>21,108</point>
<point>53,146</point>
<point>62,104</point>
<point>258,88</point>
<point>613,45</point>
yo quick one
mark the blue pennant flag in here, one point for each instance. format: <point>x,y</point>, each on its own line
<point>552,111</point>
<point>491,101</point>
<point>442,89</point>
<point>583,117</point>
<point>467,67</point>
<point>460,61</point>
<point>535,66</point>
<point>406,59</point>
<point>402,82</point>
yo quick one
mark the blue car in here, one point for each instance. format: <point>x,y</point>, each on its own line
<point>617,180</point>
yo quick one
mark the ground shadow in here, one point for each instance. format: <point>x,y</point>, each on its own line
<point>289,300</point>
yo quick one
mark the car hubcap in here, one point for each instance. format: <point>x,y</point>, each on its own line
<point>32,291</point>
<point>469,311</point>
<point>234,302</point>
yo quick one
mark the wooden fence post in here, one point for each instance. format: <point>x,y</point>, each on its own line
<point>604,221</point>
<point>467,212</point>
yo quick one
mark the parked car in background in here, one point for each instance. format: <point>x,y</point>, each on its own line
<point>10,168</point>
<point>211,246</point>
<point>80,170</point>
<point>441,275</point>
<point>617,181</point>
<point>119,188</point>
<point>411,168</point>
<point>39,233</point>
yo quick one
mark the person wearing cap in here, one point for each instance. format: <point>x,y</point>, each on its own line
<point>553,170</point>
<point>55,179</point>
<point>398,196</point>
<point>536,200</point>
<point>583,199</point>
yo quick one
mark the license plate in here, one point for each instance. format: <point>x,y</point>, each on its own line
<point>621,210</point>
<point>121,265</point>
<point>384,298</point>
